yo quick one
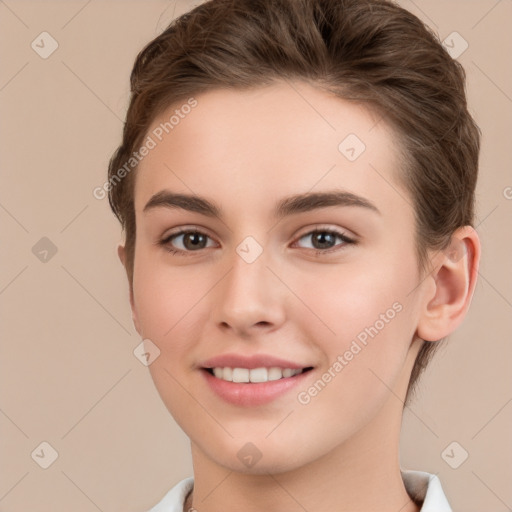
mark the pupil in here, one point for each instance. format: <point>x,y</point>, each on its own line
<point>322,237</point>
<point>195,239</point>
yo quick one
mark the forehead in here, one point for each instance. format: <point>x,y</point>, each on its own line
<point>267,142</point>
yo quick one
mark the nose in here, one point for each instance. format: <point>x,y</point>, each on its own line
<point>250,299</point>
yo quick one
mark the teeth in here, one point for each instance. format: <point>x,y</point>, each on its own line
<point>258,375</point>
<point>244,375</point>
<point>239,374</point>
<point>275,373</point>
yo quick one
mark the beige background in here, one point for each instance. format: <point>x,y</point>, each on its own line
<point>68,373</point>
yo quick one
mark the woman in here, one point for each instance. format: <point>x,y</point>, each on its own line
<point>296,184</point>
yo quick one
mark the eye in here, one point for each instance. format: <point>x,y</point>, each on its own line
<point>324,240</point>
<point>186,242</point>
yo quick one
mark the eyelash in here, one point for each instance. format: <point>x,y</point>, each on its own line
<point>346,241</point>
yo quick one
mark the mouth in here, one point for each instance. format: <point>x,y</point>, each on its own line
<point>252,383</point>
<point>254,375</point>
<point>253,380</point>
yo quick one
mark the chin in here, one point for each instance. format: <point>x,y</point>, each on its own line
<point>258,458</point>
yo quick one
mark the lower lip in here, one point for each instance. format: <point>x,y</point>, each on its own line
<point>252,394</point>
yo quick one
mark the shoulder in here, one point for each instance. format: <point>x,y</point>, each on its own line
<point>426,488</point>
<point>174,500</point>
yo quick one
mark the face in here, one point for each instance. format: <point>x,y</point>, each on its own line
<point>290,263</point>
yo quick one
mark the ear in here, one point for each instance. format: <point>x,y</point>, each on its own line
<point>450,286</point>
<point>121,252</point>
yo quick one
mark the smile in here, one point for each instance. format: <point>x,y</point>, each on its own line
<point>251,387</point>
<point>254,375</point>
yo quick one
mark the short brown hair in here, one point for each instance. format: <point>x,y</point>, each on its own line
<point>369,51</point>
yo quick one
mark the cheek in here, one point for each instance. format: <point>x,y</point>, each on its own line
<point>364,323</point>
<point>373,322</point>
<point>345,301</point>
<point>171,313</point>
<point>169,303</point>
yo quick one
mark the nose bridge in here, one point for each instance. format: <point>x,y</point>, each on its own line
<point>249,294</point>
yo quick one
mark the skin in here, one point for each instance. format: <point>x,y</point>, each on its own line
<point>244,151</point>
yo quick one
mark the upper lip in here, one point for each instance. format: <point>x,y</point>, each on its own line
<point>250,362</point>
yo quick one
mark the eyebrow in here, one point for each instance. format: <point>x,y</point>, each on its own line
<point>291,205</point>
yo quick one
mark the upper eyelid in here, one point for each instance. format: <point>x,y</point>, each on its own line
<point>327,227</point>
<point>186,229</point>
<point>194,228</point>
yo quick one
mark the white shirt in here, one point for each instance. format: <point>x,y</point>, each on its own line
<point>418,484</point>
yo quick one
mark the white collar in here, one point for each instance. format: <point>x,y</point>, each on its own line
<point>427,488</point>
<point>420,485</point>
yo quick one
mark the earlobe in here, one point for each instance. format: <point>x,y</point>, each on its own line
<point>452,284</point>
<point>121,252</point>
